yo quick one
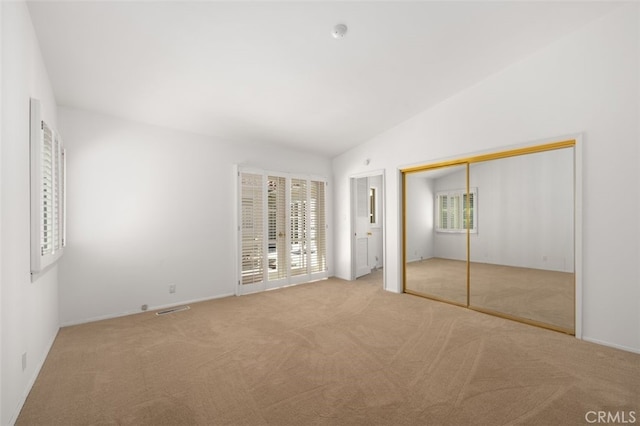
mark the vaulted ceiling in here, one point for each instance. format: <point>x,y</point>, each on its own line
<point>272,72</point>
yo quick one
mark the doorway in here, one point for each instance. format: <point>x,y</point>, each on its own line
<point>367,224</point>
<point>282,230</point>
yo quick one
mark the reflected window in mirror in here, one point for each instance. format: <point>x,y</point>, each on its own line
<point>454,214</point>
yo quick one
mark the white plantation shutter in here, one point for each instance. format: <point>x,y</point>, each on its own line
<point>455,212</point>
<point>318,227</point>
<point>47,192</point>
<point>282,226</point>
<point>452,211</point>
<point>252,230</point>
<point>443,212</point>
<point>58,193</point>
<point>469,211</point>
<point>277,224</point>
<point>298,226</point>
<point>48,179</point>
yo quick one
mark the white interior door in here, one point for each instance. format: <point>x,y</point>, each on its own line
<point>362,227</point>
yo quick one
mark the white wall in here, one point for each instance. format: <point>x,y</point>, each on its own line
<point>29,310</point>
<point>525,211</point>
<point>148,207</point>
<point>1,191</point>
<point>587,82</point>
<point>420,225</point>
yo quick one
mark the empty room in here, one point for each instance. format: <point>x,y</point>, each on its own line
<point>306,212</point>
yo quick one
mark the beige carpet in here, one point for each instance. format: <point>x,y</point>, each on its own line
<point>326,353</point>
<point>533,294</point>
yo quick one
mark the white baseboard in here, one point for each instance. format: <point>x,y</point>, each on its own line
<point>611,345</point>
<point>137,311</point>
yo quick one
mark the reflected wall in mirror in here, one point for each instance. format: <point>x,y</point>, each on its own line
<point>522,260</point>
<point>436,238</point>
<point>496,233</point>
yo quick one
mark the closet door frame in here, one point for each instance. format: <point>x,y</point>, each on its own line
<point>575,143</point>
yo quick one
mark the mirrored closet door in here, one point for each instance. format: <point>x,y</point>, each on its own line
<point>496,233</point>
<point>436,237</point>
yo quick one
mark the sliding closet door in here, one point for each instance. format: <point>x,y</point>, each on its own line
<point>282,232</point>
<point>436,234</point>
<point>522,261</point>
<point>497,233</point>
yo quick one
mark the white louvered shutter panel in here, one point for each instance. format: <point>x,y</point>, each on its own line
<point>57,194</point>
<point>47,194</point>
<point>318,227</point>
<point>252,234</point>
<point>455,211</point>
<point>298,227</point>
<point>47,202</point>
<point>443,218</point>
<point>469,207</point>
<point>62,187</point>
<point>277,226</point>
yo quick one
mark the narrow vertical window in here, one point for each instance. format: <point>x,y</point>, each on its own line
<point>48,180</point>
<point>372,206</point>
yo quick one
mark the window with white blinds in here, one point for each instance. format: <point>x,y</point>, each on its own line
<point>283,229</point>
<point>48,181</point>
<point>454,213</point>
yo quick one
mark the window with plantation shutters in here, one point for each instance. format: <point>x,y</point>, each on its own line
<point>48,181</point>
<point>454,213</point>
<point>283,229</point>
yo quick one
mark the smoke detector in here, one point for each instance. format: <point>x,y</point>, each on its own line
<point>339,31</point>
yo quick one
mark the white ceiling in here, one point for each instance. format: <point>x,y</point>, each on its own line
<point>271,71</point>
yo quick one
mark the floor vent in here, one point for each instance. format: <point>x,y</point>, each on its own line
<point>172,310</point>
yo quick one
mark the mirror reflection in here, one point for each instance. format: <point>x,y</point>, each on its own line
<point>436,238</point>
<point>522,256</point>
<point>504,244</point>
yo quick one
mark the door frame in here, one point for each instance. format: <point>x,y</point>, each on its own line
<point>352,220</point>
